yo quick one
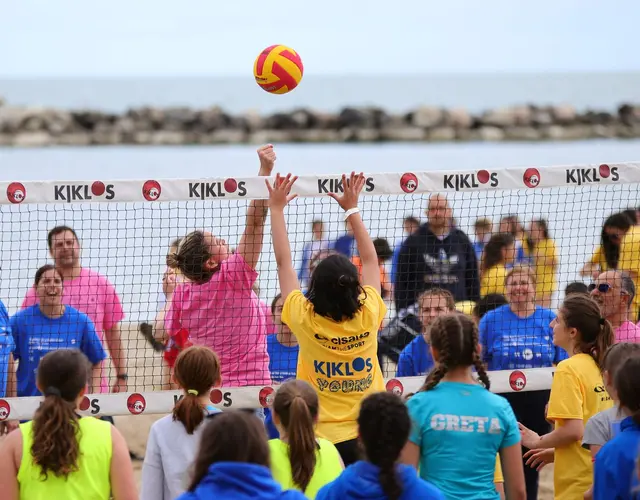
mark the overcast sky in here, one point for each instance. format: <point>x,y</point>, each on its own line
<point>208,37</point>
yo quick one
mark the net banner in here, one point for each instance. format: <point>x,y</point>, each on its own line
<point>159,402</point>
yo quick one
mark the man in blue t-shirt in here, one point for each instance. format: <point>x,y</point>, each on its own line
<point>6,348</point>
<point>40,329</point>
<point>283,349</point>
<point>415,359</point>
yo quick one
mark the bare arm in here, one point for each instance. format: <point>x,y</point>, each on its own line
<point>514,485</point>
<point>12,383</point>
<point>279,196</point>
<point>566,434</point>
<point>410,454</point>
<point>349,200</point>
<point>123,485</point>
<point>10,455</point>
<point>250,245</point>
<point>118,358</point>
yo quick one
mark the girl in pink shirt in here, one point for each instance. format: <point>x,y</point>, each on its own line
<point>216,305</point>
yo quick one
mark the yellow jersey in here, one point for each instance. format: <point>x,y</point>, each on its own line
<point>338,359</point>
<point>630,261</point>
<point>544,255</point>
<point>492,281</point>
<point>599,259</point>
<point>577,393</point>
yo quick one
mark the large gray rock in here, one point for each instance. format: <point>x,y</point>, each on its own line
<point>426,117</point>
<point>441,134</point>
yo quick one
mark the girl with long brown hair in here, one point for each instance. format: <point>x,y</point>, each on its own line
<point>459,425</point>
<point>577,394</point>
<point>173,440</point>
<point>299,460</point>
<point>60,454</point>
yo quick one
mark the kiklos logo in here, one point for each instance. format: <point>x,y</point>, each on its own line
<point>517,380</point>
<point>579,176</point>
<point>136,404</point>
<point>395,386</point>
<point>458,182</point>
<point>83,192</point>
<point>16,192</point>
<point>217,397</point>
<point>5,410</point>
<point>266,396</point>
<point>151,190</point>
<point>334,185</point>
<point>409,182</point>
<point>531,177</point>
<point>216,189</point>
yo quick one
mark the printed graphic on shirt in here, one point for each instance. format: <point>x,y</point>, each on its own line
<point>342,343</point>
<point>359,368</point>
<point>442,268</point>
<point>465,423</point>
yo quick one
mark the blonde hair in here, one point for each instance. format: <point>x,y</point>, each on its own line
<point>521,269</point>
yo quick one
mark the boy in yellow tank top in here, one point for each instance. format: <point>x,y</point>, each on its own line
<point>337,322</point>
<point>577,393</point>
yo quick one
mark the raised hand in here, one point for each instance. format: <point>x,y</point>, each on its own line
<point>280,193</point>
<point>351,188</point>
<point>537,459</point>
<point>268,158</point>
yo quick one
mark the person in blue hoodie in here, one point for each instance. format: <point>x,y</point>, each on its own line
<point>384,426</point>
<point>615,463</point>
<point>233,462</point>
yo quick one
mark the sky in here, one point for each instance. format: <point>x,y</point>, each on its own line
<point>133,38</point>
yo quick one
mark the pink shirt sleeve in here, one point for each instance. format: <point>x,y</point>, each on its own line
<point>30,299</point>
<point>172,319</point>
<point>113,312</point>
<point>236,273</point>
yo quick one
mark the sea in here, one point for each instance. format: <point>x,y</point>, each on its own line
<point>128,241</point>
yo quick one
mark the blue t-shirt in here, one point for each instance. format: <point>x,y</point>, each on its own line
<point>6,348</point>
<point>460,428</point>
<point>615,466</point>
<point>35,335</point>
<point>415,359</point>
<point>511,342</point>
<point>283,360</point>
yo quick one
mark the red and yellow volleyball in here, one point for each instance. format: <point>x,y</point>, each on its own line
<point>278,69</point>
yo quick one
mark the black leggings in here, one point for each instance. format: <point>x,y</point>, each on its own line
<point>529,410</point>
<point>349,451</point>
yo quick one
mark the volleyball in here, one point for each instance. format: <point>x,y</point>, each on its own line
<point>278,69</point>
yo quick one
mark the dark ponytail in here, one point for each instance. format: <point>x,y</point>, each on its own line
<point>492,253</point>
<point>62,375</point>
<point>384,427</point>
<point>456,339</point>
<point>627,384</point>
<point>196,371</point>
<point>191,256</point>
<point>296,405</point>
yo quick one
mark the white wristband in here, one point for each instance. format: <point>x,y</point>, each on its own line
<point>350,212</point>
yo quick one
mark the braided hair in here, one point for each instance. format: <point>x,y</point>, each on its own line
<point>456,339</point>
<point>384,425</point>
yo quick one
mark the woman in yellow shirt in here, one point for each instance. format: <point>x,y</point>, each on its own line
<point>542,251</point>
<point>299,460</point>
<point>499,253</point>
<point>577,393</point>
<point>60,454</point>
<point>336,322</point>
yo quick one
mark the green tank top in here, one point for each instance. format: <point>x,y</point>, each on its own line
<point>90,482</point>
<point>328,466</point>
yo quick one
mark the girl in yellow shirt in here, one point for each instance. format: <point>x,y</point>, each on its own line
<point>607,255</point>
<point>337,321</point>
<point>299,460</point>
<point>499,253</point>
<point>544,256</point>
<point>577,393</point>
<point>60,454</point>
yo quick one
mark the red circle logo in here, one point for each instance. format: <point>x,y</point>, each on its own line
<point>395,386</point>
<point>151,190</point>
<point>409,182</point>
<point>517,380</point>
<point>84,404</point>
<point>98,188</point>
<point>483,176</point>
<point>230,185</point>
<point>16,192</point>
<point>266,396</point>
<point>604,171</point>
<point>215,396</point>
<point>136,404</point>
<point>5,410</point>
<point>531,177</point>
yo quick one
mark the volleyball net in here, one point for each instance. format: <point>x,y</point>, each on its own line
<point>125,227</point>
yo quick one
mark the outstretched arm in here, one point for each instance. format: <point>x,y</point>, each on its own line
<point>279,196</point>
<point>251,242</point>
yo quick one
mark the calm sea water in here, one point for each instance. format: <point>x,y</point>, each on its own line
<point>127,242</point>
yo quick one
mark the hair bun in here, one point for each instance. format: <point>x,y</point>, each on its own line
<point>345,280</point>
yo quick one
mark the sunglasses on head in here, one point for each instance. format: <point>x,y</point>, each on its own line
<point>602,287</point>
